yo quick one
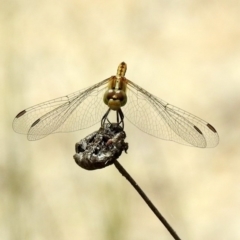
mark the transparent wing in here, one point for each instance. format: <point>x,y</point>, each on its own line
<point>162,120</point>
<point>75,111</point>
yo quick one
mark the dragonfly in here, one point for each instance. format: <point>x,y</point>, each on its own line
<point>85,108</point>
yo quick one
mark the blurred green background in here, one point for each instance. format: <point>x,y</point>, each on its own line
<point>185,52</point>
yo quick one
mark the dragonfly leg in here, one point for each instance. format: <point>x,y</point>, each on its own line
<point>104,118</point>
<point>120,116</point>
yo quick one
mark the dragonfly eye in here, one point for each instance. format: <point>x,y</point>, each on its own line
<point>109,94</point>
<point>120,95</point>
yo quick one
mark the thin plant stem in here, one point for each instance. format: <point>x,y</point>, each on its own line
<point>147,200</point>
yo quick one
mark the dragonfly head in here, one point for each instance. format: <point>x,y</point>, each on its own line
<point>115,96</point>
<point>115,99</point>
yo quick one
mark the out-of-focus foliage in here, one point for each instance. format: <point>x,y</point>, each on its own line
<point>185,52</point>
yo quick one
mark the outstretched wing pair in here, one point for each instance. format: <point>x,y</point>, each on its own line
<point>85,108</point>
